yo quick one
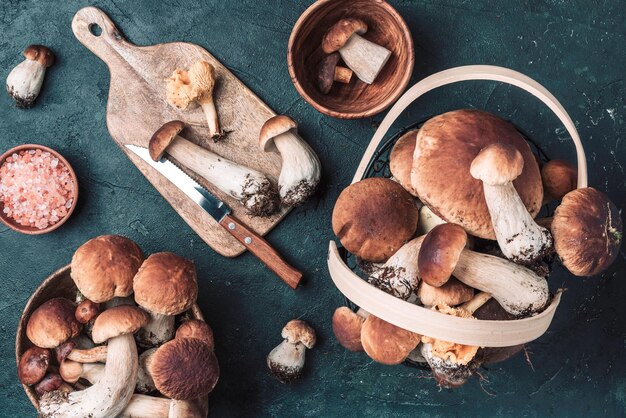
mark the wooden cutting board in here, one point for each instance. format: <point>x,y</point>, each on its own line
<point>137,107</point>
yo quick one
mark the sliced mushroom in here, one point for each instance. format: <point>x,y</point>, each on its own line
<point>33,365</point>
<point>286,361</point>
<point>53,323</point>
<point>365,58</point>
<point>347,328</point>
<point>559,178</point>
<point>330,72</point>
<point>385,342</point>
<point>250,187</point>
<point>399,275</point>
<point>25,80</point>
<point>301,169</point>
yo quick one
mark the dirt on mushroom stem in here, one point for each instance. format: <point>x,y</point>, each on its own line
<point>299,194</point>
<point>264,201</point>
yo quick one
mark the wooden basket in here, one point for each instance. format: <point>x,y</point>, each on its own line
<point>422,320</point>
<point>58,284</point>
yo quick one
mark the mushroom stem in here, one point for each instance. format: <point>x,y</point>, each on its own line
<point>365,58</point>
<point>144,406</point>
<point>399,275</point>
<point>145,384</point>
<point>160,329</point>
<point>193,408</point>
<point>343,75</point>
<point>286,361</point>
<point>208,106</point>
<point>92,355</point>
<point>25,80</point>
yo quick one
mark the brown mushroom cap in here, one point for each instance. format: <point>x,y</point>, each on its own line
<point>298,331</point>
<point>166,284</point>
<point>559,178</point>
<point>385,342</point>
<point>70,371</point>
<point>326,73</point>
<point>273,127</point>
<point>347,328</point>
<point>195,328</point>
<point>86,311</point>
<point>440,252</point>
<point>104,267</point>
<point>33,365</point>
<point>587,231</point>
<point>374,218</point>
<point>340,32</point>
<point>445,148</point>
<point>40,53</point>
<point>53,323</point>
<point>119,320</point>
<point>184,369</point>
<point>452,293</point>
<point>50,383</point>
<point>401,160</point>
<point>163,137</point>
<point>497,164</point>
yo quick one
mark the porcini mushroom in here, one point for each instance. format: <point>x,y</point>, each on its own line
<point>286,360</point>
<point>399,275</point>
<point>587,231</point>
<point>427,220</point>
<point>165,285</point>
<point>385,342</point>
<point>330,72</point>
<point>440,252</point>
<point>90,355</point>
<point>145,384</point>
<point>143,406</point>
<point>300,172</point>
<point>25,80</point>
<point>52,323</point>
<point>33,365</point>
<point>50,383</point>
<point>452,293</point>
<point>519,237</point>
<point>72,371</point>
<point>250,187</point>
<point>401,160</point>
<point>87,311</point>
<point>195,328</point>
<point>347,328</point>
<point>363,57</point>
<point>559,177</point>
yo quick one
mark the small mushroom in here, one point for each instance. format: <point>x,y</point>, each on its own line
<point>286,361</point>
<point>330,72</point>
<point>300,172</point>
<point>87,311</point>
<point>50,383</point>
<point>347,328</point>
<point>250,187</point>
<point>25,80</point>
<point>53,323</point>
<point>519,237</point>
<point>440,252</point>
<point>72,371</point>
<point>399,275</point>
<point>401,160</point>
<point>587,231</point>
<point>385,342</point>
<point>166,285</point>
<point>363,57</point>
<point>559,177</point>
<point>195,328</point>
<point>452,293</point>
<point>33,365</point>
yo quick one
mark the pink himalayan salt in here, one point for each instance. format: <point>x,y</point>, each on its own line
<point>36,189</point>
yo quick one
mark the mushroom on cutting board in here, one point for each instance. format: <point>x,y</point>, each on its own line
<point>559,177</point>
<point>519,237</point>
<point>166,285</point>
<point>399,275</point>
<point>363,57</point>
<point>385,342</point>
<point>329,72</point>
<point>347,328</point>
<point>587,231</point>
<point>301,169</point>
<point>25,80</point>
<point>401,160</point>
<point>33,365</point>
<point>251,188</point>
<point>53,323</point>
<point>286,361</point>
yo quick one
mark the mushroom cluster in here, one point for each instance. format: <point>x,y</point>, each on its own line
<point>85,361</point>
<point>454,231</point>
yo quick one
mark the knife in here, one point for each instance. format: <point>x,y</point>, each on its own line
<point>222,214</point>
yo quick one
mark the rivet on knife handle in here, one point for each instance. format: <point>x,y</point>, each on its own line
<point>262,250</point>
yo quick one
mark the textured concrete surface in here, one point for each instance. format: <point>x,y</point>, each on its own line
<point>575,48</point>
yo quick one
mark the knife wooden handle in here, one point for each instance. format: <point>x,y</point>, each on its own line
<point>262,250</point>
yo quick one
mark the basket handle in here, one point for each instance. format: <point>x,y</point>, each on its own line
<point>468,73</point>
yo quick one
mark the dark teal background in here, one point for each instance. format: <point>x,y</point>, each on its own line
<point>577,49</point>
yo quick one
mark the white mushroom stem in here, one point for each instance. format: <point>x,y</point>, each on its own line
<point>24,82</point>
<point>286,360</point>
<point>160,329</point>
<point>252,188</point>
<point>427,220</point>
<point>399,275</point>
<point>91,355</point>
<point>144,406</point>
<point>363,57</point>
<point>195,408</point>
<point>208,106</point>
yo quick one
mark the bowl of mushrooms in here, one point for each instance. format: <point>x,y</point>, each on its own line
<point>117,334</point>
<point>445,249</point>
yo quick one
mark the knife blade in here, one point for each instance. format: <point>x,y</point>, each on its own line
<point>220,211</point>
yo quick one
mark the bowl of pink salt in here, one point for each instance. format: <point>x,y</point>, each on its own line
<point>38,189</point>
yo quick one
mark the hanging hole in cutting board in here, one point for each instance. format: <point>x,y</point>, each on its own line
<point>95,29</point>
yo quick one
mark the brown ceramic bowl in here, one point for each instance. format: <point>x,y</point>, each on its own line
<point>59,284</point>
<point>27,229</point>
<point>356,99</point>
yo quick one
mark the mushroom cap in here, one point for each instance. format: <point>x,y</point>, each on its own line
<point>41,53</point>
<point>273,127</point>
<point>374,218</point>
<point>452,293</point>
<point>202,77</point>
<point>53,323</point>
<point>166,284</point>
<point>178,90</point>
<point>298,331</point>
<point>163,137</point>
<point>440,252</point>
<point>118,320</point>
<point>33,365</point>
<point>70,371</point>
<point>385,342</point>
<point>497,164</point>
<point>401,160</point>
<point>86,311</point>
<point>340,32</point>
<point>50,383</point>
<point>559,178</point>
<point>104,267</point>
<point>326,73</point>
<point>587,231</point>
<point>347,328</point>
<point>446,145</point>
<point>195,328</point>
<point>184,369</point>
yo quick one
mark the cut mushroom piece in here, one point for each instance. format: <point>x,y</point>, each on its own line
<point>53,323</point>
<point>330,72</point>
<point>286,361</point>
<point>399,275</point>
<point>347,328</point>
<point>166,285</point>
<point>301,169</point>
<point>587,230</point>
<point>519,237</point>
<point>385,342</point>
<point>25,80</point>
<point>440,252</point>
<point>72,371</point>
<point>250,187</point>
<point>364,57</point>
<point>33,365</point>
<point>452,293</point>
<point>559,178</point>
